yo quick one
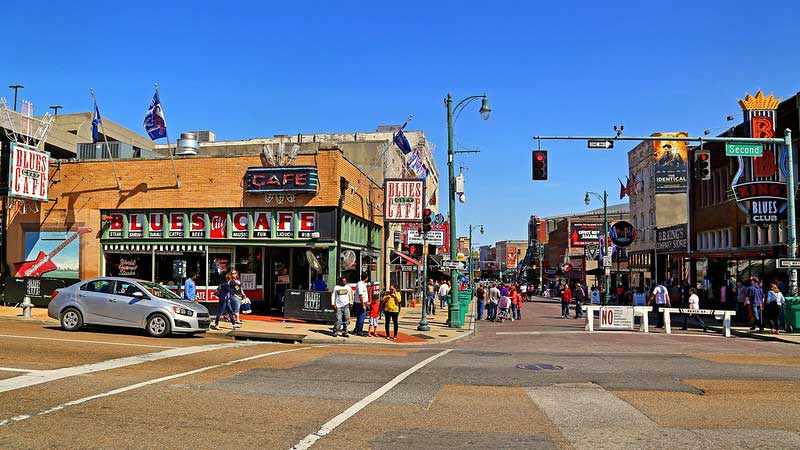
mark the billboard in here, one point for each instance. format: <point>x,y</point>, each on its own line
<point>511,256</point>
<point>404,199</point>
<point>671,157</point>
<point>672,239</point>
<point>55,253</point>
<point>583,233</point>
<point>28,173</point>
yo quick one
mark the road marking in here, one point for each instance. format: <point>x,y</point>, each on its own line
<point>312,438</point>
<point>13,369</point>
<point>47,376</point>
<point>544,333</point>
<point>83,341</point>
<point>121,390</point>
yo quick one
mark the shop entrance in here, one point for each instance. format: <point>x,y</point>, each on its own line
<point>278,278</point>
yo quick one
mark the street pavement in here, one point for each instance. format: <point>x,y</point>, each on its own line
<point>538,383</point>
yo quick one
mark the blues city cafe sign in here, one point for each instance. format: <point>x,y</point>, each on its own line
<point>267,224</point>
<point>759,184</point>
<point>282,180</point>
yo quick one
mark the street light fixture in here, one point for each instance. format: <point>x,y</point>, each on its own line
<point>455,319</point>
<point>16,87</point>
<point>469,261</point>
<point>604,199</point>
<point>55,109</point>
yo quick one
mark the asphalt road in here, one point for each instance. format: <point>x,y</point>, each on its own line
<point>537,383</point>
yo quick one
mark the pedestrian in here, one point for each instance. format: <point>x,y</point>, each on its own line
<point>430,297</point>
<point>190,288</point>
<point>319,284</point>
<point>775,301</point>
<point>595,295</point>
<point>341,299</point>
<point>444,289</point>
<point>523,290</point>
<point>580,298</point>
<point>755,297</point>
<point>694,305</point>
<point>360,305</point>
<point>224,294</point>
<point>660,297</point>
<point>639,299</point>
<point>237,295</point>
<point>516,304</point>
<point>494,300</point>
<point>741,296</point>
<point>374,314</point>
<point>391,309</point>
<point>480,294</point>
<point>566,299</point>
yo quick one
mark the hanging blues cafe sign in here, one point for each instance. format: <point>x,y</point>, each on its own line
<point>282,180</point>
<point>759,184</point>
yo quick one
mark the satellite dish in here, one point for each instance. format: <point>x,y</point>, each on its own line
<point>313,261</point>
<point>348,259</point>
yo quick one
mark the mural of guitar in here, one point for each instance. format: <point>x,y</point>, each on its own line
<point>43,264</point>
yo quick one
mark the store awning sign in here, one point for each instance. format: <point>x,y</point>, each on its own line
<point>672,239</point>
<point>197,225</point>
<point>282,180</point>
<point>404,199</point>
<point>155,225</point>
<point>218,225</point>
<point>175,225</point>
<point>261,224</point>
<point>240,220</point>
<point>28,173</point>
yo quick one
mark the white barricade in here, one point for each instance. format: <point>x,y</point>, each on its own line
<point>726,317</point>
<point>638,311</point>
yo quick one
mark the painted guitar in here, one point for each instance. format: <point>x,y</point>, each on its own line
<point>43,264</point>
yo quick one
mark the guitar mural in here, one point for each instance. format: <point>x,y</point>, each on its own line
<point>43,262</point>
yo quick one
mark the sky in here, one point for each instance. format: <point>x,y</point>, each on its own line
<point>260,68</point>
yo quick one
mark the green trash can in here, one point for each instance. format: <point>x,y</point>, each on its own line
<point>791,311</point>
<point>464,299</point>
<point>458,307</point>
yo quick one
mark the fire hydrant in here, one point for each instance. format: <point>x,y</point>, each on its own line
<point>26,306</point>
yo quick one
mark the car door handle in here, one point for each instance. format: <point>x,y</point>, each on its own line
<point>82,295</point>
<point>111,300</point>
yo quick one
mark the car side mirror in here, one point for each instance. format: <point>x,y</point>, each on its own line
<point>138,294</point>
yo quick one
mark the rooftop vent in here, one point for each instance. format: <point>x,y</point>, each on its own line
<point>187,145</point>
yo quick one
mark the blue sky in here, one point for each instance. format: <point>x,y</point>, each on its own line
<point>250,69</point>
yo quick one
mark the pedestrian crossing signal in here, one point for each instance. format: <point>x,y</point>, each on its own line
<point>426,220</point>
<point>540,164</point>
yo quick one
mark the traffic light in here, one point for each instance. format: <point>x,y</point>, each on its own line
<point>702,165</point>
<point>426,220</point>
<point>540,164</point>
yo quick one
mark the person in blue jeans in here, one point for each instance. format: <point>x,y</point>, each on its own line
<point>481,296</point>
<point>225,293</point>
<point>755,294</point>
<point>430,297</point>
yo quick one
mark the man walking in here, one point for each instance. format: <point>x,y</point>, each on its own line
<point>755,295</point>
<point>494,299</point>
<point>580,298</point>
<point>566,299</point>
<point>341,298</point>
<point>360,305</point>
<point>660,296</point>
<point>444,289</point>
<point>481,296</point>
<point>430,297</point>
<point>190,288</point>
<point>694,304</point>
<point>741,296</point>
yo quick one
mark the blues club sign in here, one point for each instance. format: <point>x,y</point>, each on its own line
<point>759,184</point>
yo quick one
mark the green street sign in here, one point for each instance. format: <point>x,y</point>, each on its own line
<point>734,149</point>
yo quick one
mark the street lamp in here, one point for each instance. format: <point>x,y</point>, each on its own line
<point>469,262</point>
<point>55,109</point>
<point>604,199</point>
<point>485,111</point>
<point>16,87</point>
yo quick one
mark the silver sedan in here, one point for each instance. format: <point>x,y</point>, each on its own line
<point>126,302</point>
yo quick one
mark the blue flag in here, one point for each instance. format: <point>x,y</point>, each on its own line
<point>401,141</point>
<point>154,122</point>
<point>96,120</point>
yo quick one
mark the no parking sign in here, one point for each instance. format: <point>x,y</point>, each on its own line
<point>616,318</point>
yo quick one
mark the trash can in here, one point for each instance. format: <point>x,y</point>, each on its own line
<point>459,306</point>
<point>464,299</point>
<point>791,312</point>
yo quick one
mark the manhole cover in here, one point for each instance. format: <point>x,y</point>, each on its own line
<point>539,367</point>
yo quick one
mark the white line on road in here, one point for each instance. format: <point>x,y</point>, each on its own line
<point>47,376</point>
<point>83,341</point>
<point>14,369</point>
<point>545,333</point>
<point>312,438</point>
<point>121,390</point>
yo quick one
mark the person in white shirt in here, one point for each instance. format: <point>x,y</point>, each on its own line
<point>341,298</point>
<point>694,304</point>
<point>444,289</point>
<point>360,305</point>
<point>660,296</point>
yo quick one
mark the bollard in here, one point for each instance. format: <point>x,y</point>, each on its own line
<point>26,307</point>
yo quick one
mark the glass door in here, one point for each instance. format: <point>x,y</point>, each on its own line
<point>220,262</point>
<point>278,277</point>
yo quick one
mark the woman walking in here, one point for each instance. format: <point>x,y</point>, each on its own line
<point>236,294</point>
<point>391,309</point>
<point>775,303</point>
<point>224,295</point>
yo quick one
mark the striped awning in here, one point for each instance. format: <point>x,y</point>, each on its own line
<point>151,247</point>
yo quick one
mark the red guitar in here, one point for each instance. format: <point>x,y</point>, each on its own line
<point>43,264</point>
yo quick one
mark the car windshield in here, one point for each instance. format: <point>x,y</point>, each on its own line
<point>159,291</point>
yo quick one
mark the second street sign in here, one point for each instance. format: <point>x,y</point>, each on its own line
<point>734,149</point>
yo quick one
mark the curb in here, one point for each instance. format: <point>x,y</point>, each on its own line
<point>747,334</point>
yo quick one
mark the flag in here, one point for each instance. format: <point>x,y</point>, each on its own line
<point>154,122</point>
<point>401,141</point>
<point>623,191</point>
<point>633,186</point>
<point>96,121</point>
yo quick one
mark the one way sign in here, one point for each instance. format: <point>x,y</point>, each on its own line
<point>601,143</point>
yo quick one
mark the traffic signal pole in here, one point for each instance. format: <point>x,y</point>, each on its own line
<point>786,141</point>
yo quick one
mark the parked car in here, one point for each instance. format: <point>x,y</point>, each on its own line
<point>127,302</point>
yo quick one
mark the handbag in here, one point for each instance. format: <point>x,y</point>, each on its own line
<point>246,307</point>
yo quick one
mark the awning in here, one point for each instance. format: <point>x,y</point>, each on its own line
<point>407,258</point>
<point>151,247</point>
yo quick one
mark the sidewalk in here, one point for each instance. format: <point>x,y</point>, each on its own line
<point>318,332</point>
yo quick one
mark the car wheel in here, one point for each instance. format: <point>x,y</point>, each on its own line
<point>158,325</point>
<point>71,320</point>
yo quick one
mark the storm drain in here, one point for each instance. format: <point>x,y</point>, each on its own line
<point>539,367</point>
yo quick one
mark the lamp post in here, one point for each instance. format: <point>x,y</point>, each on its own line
<point>469,261</point>
<point>55,109</point>
<point>451,184</point>
<point>604,199</point>
<point>16,87</point>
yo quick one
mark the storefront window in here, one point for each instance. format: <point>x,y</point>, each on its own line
<point>129,265</point>
<point>219,263</point>
<point>172,269</point>
<point>350,271</point>
<point>248,261</point>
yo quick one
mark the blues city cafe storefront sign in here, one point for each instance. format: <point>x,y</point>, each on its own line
<point>282,180</point>
<point>244,224</point>
<point>759,184</point>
